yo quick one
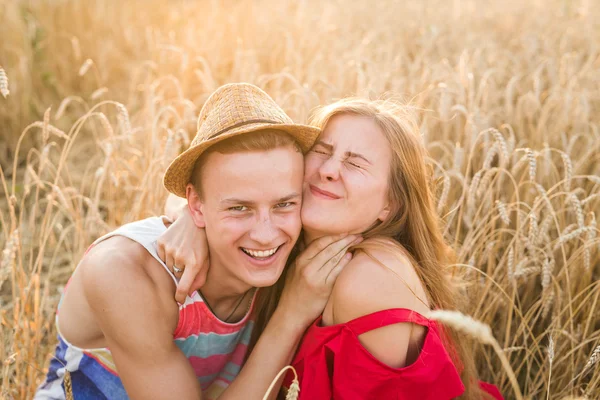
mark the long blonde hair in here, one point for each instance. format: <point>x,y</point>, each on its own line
<point>413,225</point>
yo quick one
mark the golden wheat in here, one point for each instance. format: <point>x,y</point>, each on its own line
<point>3,83</point>
<point>507,100</point>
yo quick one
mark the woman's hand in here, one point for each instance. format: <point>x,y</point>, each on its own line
<point>310,279</point>
<point>184,249</point>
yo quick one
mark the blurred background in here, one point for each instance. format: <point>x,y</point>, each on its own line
<point>98,96</point>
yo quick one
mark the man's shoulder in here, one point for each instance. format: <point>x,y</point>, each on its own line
<point>120,268</point>
<point>115,256</point>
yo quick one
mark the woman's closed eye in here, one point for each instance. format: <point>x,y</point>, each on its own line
<point>353,164</point>
<point>319,151</point>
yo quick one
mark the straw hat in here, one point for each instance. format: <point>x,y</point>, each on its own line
<point>233,110</point>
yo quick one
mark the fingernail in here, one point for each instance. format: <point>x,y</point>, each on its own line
<point>348,256</point>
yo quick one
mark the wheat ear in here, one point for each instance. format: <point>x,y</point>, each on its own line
<point>68,386</point>
<point>481,332</point>
<point>3,83</point>
<point>294,389</point>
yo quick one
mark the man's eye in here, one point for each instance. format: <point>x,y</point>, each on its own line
<point>238,208</point>
<point>284,205</point>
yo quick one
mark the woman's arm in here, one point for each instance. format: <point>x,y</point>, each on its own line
<point>174,206</point>
<point>307,290</point>
<point>183,245</point>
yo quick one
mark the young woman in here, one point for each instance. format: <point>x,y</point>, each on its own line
<point>367,174</point>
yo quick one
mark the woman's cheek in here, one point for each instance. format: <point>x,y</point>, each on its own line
<point>311,165</point>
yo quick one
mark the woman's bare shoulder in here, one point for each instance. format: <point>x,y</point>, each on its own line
<point>379,277</point>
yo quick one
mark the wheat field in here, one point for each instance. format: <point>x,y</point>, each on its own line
<point>98,96</point>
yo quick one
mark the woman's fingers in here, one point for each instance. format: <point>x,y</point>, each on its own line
<point>317,245</point>
<point>167,255</point>
<point>200,278</point>
<point>335,251</point>
<point>193,278</point>
<point>337,269</point>
<point>160,250</point>
<point>188,276</point>
<point>170,263</point>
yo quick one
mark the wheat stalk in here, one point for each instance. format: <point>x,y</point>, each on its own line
<point>568,170</point>
<point>294,389</point>
<point>487,162</point>
<point>532,164</point>
<point>547,268</point>
<point>573,235</point>
<point>3,83</point>
<point>524,272</point>
<point>9,255</point>
<point>574,201</point>
<point>510,263</point>
<point>503,213</point>
<point>547,302</point>
<point>480,331</point>
<point>444,195</point>
<point>533,231</point>
<point>502,144</point>
<point>68,386</point>
<point>594,358</point>
<point>550,361</point>
<point>85,67</point>
<point>123,117</point>
<point>99,93</point>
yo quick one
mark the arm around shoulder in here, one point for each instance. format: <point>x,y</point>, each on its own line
<point>137,319</point>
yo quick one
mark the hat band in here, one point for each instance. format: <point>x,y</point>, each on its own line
<point>239,124</point>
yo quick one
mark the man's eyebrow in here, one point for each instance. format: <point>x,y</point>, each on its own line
<point>289,197</point>
<point>348,154</point>
<point>233,200</point>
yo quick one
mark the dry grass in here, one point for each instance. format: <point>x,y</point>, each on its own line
<point>103,94</point>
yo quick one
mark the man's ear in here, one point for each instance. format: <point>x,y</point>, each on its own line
<point>195,205</point>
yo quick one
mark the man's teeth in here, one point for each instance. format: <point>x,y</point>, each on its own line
<point>260,253</point>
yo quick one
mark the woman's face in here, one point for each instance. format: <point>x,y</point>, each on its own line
<point>346,176</point>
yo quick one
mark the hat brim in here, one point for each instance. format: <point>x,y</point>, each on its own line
<point>179,173</point>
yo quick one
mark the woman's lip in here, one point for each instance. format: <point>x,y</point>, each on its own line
<point>323,193</point>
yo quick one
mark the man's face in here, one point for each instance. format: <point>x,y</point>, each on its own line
<point>251,209</point>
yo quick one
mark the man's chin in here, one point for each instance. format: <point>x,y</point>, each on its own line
<point>259,277</point>
<point>261,282</point>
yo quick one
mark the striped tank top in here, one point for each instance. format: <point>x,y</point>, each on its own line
<point>215,349</point>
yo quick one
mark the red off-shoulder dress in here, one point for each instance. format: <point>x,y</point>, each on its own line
<point>332,364</point>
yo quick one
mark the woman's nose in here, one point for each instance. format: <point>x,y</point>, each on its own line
<point>330,170</point>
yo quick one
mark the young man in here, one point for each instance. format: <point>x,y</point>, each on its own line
<point>122,335</point>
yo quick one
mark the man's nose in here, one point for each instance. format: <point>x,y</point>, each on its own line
<point>264,231</point>
<point>330,170</point>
